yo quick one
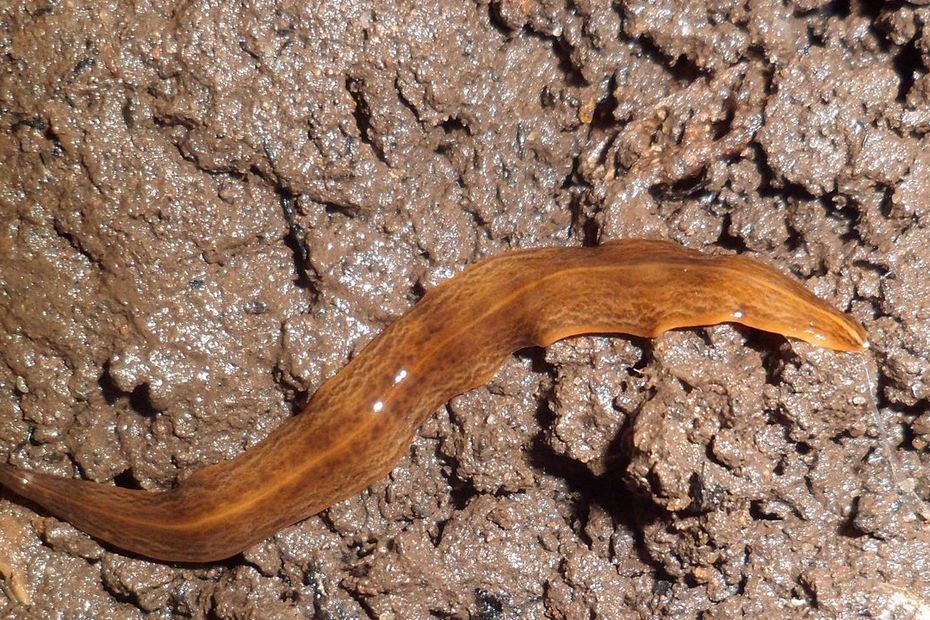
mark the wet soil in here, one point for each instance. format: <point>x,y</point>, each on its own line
<point>208,208</point>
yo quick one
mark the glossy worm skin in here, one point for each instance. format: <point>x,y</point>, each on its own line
<point>362,420</point>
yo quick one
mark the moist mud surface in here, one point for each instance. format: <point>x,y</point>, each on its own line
<point>208,208</point>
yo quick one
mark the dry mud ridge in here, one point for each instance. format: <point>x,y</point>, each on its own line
<point>207,208</point>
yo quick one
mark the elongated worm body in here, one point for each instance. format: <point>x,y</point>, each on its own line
<point>362,420</point>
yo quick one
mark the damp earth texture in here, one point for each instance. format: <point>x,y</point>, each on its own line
<point>208,209</point>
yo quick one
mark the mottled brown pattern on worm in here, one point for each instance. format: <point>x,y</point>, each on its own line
<point>361,421</point>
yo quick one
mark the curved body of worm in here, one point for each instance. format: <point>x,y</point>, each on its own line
<point>362,420</point>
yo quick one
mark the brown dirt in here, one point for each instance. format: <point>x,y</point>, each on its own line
<point>207,208</point>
